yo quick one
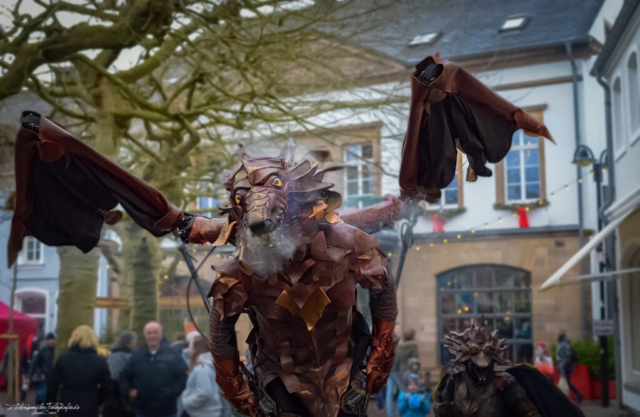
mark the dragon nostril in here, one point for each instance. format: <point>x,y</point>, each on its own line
<point>268,224</point>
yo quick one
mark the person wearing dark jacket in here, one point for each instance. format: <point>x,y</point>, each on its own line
<point>154,376</point>
<point>115,405</point>
<point>41,368</point>
<point>80,377</point>
<point>566,359</point>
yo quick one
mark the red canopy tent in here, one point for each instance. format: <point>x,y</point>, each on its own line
<point>23,325</point>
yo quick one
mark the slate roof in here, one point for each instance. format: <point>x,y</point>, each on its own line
<point>472,27</point>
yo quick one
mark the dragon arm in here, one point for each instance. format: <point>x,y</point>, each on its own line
<point>197,229</point>
<point>226,360</point>
<point>229,299</point>
<point>384,311</point>
<point>376,217</point>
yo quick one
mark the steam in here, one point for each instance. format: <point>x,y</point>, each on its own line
<point>269,253</point>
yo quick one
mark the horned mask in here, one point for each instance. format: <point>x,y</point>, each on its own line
<point>477,347</point>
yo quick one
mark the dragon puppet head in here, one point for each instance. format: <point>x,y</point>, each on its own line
<point>478,349</point>
<point>272,202</point>
<point>268,193</point>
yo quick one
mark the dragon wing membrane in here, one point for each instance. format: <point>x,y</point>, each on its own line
<point>451,110</point>
<point>66,191</point>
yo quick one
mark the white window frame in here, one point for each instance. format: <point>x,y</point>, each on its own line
<point>28,292</point>
<point>634,134</point>
<point>442,203</point>
<point>523,180</point>
<point>359,163</point>
<point>22,256</point>
<point>618,110</point>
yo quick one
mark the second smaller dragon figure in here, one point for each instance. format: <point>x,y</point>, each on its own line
<point>476,386</point>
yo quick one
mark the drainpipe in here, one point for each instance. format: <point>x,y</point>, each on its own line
<point>584,291</point>
<point>612,285</point>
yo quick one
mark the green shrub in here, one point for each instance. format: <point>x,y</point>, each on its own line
<point>589,354</point>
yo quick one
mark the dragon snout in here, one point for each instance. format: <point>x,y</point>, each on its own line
<point>262,227</point>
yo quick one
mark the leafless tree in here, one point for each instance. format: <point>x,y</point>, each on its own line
<point>165,88</point>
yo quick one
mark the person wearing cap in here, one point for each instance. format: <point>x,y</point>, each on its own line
<point>413,402</point>
<point>41,368</point>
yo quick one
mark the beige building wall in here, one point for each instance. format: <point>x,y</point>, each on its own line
<point>541,254</point>
<point>331,144</point>
<point>629,295</point>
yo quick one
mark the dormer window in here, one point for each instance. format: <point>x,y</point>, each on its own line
<point>427,39</point>
<point>514,23</point>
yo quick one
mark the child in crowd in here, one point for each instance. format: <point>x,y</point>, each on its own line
<point>413,402</point>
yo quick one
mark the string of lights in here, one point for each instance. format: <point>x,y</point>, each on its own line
<point>500,219</point>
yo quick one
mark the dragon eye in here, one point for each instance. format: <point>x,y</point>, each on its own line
<point>238,199</point>
<point>474,351</point>
<point>276,182</point>
<point>488,349</point>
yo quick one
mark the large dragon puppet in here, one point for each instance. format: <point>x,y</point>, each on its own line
<point>297,262</point>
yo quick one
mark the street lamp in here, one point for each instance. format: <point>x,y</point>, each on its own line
<point>583,157</point>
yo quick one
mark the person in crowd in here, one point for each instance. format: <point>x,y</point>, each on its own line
<point>28,353</point>
<point>414,401</point>
<point>179,342</point>
<point>414,368</point>
<point>115,405</point>
<point>80,376</point>
<point>154,376</point>
<point>567,359</point>
<point>25,361</point>
<point>185,351</point>
<point>525,350</point>
<point>406,350</point>
<point>202,396</point>
<point>543,361</point>
<point>41,368</point>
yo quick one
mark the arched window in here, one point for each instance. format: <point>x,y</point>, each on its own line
<point>501,293</point>
<point>634,94</point>
<point>34,302</point>
<point>618,127</point>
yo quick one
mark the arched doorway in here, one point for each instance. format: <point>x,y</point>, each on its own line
<point>501,293</point>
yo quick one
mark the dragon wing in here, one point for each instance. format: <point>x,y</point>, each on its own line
<point>66,191</point>
<point>451,110</point>
<point>547,398</point>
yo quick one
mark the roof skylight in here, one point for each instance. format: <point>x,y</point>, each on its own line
<point>514,22</point>
<point>425,39</point>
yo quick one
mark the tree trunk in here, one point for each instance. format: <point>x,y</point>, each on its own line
<point>124,285</point>
<point>142,259</point>
<point>78,285</point>
<point>108,135</point>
